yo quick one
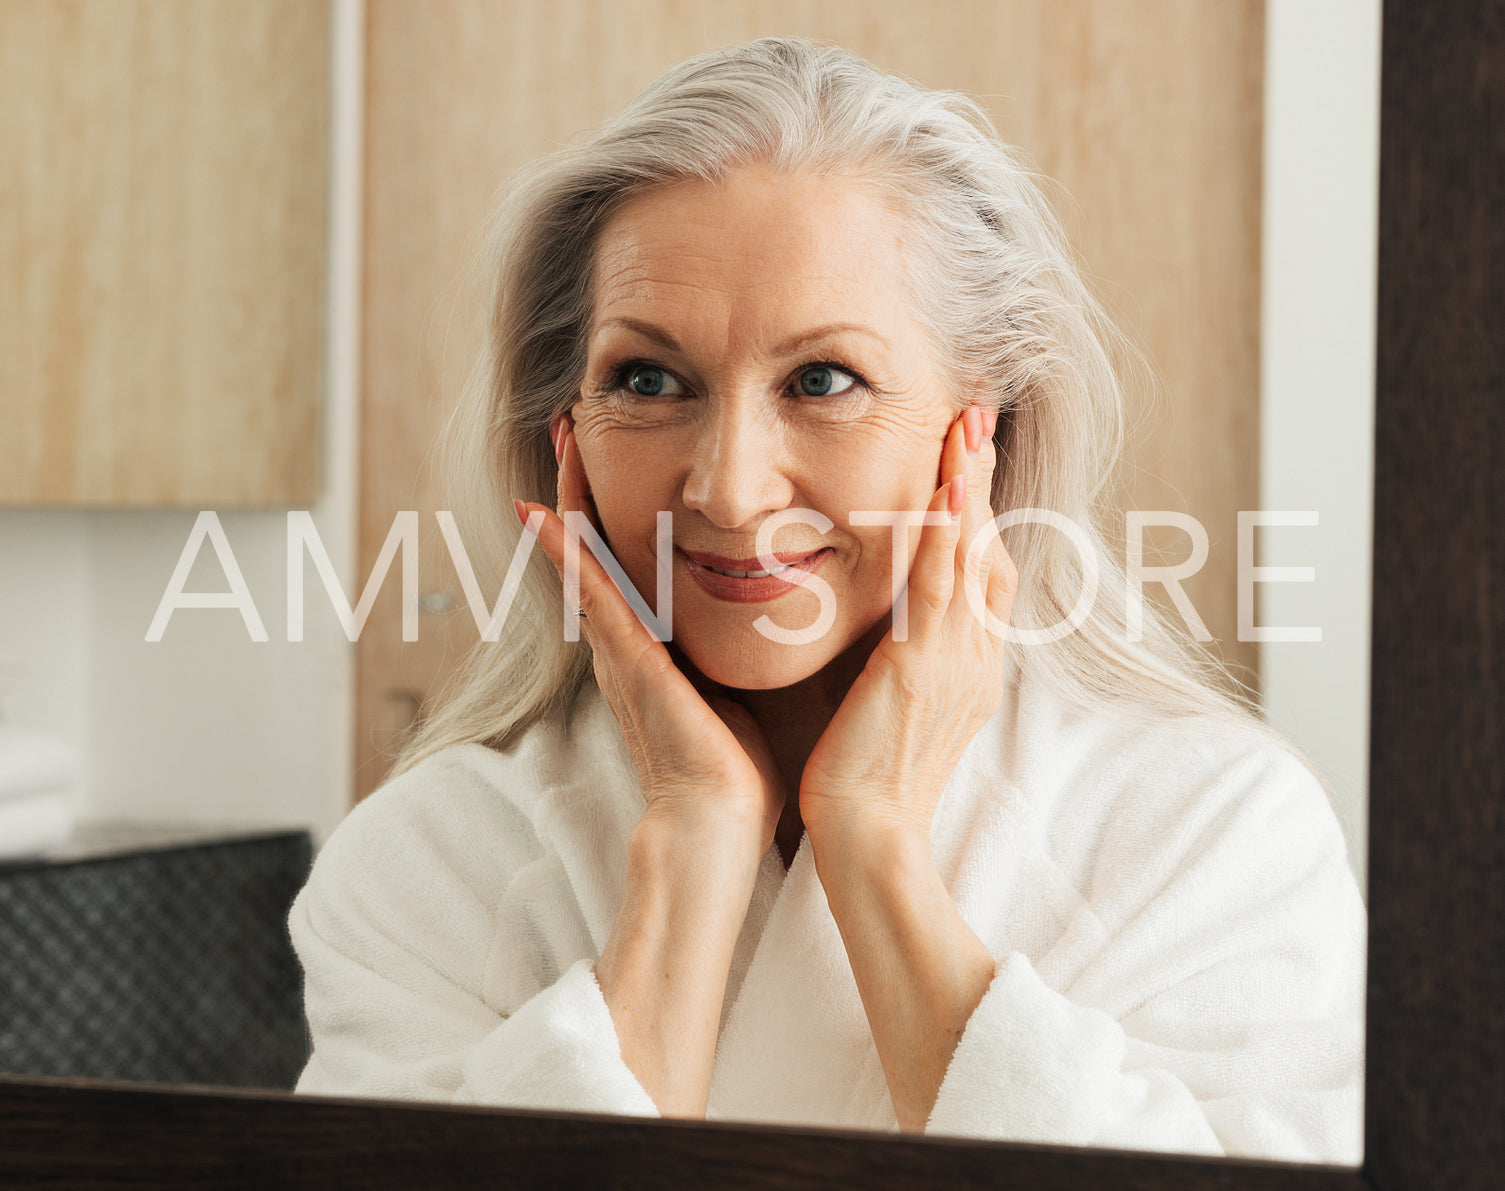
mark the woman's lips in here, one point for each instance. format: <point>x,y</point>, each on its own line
<point>706,570</point>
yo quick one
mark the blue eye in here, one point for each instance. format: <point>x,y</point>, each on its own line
<point>648,380</point>
<point>824,380</point>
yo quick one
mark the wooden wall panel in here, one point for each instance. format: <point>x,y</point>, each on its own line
<point>1148,115</point>
<point>162,251</point>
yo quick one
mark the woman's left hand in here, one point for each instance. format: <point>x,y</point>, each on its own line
<point>888,751</point>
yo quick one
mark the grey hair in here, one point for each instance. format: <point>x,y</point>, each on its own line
<point>993,281</point>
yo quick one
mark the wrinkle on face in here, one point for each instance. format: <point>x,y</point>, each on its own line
<point>730,272</point>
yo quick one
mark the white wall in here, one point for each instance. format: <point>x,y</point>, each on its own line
<point>45,568</point>
<point>1317,363</point>
<point>205,725</point>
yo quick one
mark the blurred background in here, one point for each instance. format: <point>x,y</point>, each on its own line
<point>236,244</point>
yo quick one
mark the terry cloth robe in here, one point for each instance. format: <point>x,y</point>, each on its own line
<point>1179,943</point>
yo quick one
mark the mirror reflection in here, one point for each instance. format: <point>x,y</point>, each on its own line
<point>897,697</point>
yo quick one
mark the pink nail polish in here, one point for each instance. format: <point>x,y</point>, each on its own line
<point>521,510</point>
<point>957,498</point>
<point>556,436</point>
<point>989,422</point>
<point>972,429</point>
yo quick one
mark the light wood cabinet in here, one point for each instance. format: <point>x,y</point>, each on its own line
<point>163,170</point>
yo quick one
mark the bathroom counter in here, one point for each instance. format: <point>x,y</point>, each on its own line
<point>155,952</point>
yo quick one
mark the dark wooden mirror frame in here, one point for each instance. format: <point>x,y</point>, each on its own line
<point>1435,1098</point>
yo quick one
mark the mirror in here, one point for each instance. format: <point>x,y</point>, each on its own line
<point>210,726</point>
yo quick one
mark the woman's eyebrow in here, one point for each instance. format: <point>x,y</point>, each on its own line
<point>787,348</point>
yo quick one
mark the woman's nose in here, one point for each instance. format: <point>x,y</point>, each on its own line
<point>737,471</point>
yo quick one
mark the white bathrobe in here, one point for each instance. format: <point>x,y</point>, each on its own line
<point>1179,944</point>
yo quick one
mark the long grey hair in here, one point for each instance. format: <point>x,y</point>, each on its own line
<point>992,279</point>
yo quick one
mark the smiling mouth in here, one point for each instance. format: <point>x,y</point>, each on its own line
<point>751,568</point>
<point>742,580</point>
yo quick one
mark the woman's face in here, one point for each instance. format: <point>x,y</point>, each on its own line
<point>753,350</point>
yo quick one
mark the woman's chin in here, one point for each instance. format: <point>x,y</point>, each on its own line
<point>760,670</point>
<point>732,660</point>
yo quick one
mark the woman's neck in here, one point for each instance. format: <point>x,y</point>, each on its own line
<point>793,719</point>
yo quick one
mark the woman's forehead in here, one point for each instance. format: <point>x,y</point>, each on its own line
<point>778,252</point>
<point>754,216</point>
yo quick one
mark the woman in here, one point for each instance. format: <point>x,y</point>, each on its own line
<point>897,828</point>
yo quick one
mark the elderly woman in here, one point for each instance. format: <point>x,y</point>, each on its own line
<point>899,825</point>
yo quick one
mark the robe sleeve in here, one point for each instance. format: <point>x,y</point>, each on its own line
<point>394,930</point>
<point>1207,997</point>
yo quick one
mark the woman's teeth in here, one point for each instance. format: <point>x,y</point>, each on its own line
<point>748,574</point>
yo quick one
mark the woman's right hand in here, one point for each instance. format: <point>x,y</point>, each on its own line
<point>702,760</point>
<point>714,796</point>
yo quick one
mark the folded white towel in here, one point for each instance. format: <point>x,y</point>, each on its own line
<point>35,824</point>
<point>31,763</point>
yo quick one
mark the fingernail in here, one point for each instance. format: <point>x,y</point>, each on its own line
<point>972,429</point>
<point>521,510</point>
<point>556,436</point>
<point>957,498</point>
<point>989,422</point>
